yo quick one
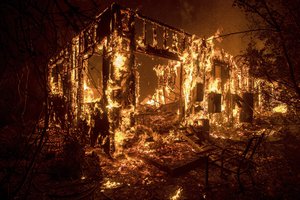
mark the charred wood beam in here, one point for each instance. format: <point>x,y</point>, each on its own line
<point>191,142</point>
<point>246,114</point>
<point>154,32</point>
<point>105,73</point>
<point>179,168</point>
<point>132,78</point>
<point>165,38</point>
<point>80,87</point>
<point>147,19</point>
<point>181,99</point>
<point>158,52</point>
<point>115,21</point>
<point>214,102</point>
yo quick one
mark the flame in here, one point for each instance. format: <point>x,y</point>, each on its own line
<point>150,102</point>
<point>110,184</point>
<point>177,194</point>
<point>282,108</point>
<point>166,74</point>
<point>140,42</point>
<point>88,94</point>
<point>85,87</point>
<point>215,85</point>
<point>119,64</point>
<point>119,126</point>
<point>196,64</point>
<point>235,111</point>
<point>119,139</point>
<point>192,118</point>
<point>190,70</point>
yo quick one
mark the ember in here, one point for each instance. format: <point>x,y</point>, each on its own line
<point>280,108</point>
<point>109,184</point>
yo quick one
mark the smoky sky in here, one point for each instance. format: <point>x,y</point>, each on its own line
<point>200,17</point>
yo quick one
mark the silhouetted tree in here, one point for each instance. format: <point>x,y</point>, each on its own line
<point>31,32</point>
<point>273,54</point>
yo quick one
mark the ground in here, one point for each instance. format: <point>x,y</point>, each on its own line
<point>277,176</point>
<point>129,175</point>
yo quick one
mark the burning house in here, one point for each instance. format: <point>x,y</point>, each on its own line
<point>132,108</point>
<point>95,81</point>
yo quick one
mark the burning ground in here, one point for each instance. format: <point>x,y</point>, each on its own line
<point>144,169</point>
<point>276,175</point>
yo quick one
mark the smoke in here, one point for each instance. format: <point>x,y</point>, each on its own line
<point>218,34</point>
<point>187,12</point>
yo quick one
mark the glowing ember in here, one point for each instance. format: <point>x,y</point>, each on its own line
<point>119,138</point>
<point>177,194</point>
<point>282,108</point>
<point>109,184</point>
<point>235,111</point>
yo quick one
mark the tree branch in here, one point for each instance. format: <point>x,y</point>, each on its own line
<point>240,32</point>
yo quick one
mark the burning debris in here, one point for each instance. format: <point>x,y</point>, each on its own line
<point>108,184</point>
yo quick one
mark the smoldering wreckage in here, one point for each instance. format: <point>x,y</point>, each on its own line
<point>201,97</point>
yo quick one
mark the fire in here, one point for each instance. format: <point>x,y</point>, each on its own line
<point>119,140</point>
<point>235,111</point>
<point>110,184</point>
<point>109,92</point>
<point>119,64</point>
<point>189,68</point>
<point>150,102</point>
<point>119,60</point>
<point>214,86</point>
<point>200,69</point>
<point>119,137</point>
<point>282,108</point>
<point>85,87</point>
<point>88,96</point>
<point>177,194</point>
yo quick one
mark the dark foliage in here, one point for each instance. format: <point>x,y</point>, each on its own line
<point>273,53</point>
<point>31,32</point>
<point>69,165</point>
